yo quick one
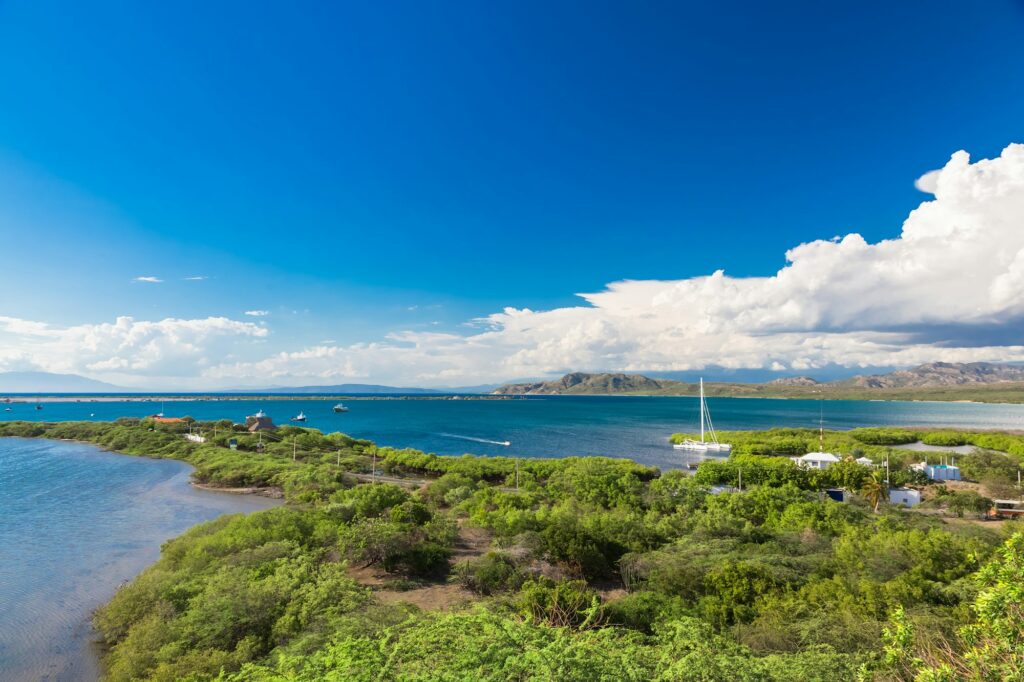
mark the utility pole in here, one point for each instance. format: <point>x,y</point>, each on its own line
<point>295,447</point>
<point>373,471</point>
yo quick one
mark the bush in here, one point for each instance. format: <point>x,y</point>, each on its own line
<point>642,610</point>
<point>372,500</point>
<point>493,572</point>
<point>945,438</point>
<point>883,436</point>
<point>567,603</point>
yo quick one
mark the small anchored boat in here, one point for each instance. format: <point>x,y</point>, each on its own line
<point>340,407</point>
<point>300,417</point>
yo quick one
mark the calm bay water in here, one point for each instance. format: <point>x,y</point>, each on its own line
<point>632,427</point>
<point>76,522</point>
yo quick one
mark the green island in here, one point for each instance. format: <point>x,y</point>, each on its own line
<point>389,564</point>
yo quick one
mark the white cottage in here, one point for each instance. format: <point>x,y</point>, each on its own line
<point>816,460</point>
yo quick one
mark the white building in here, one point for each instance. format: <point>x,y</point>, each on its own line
<point>864,461</point>
<point>816,460</point>
<point>907,497</point>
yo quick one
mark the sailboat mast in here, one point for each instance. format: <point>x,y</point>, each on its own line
<point>702,409</point>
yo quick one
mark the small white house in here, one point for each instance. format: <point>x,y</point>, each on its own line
<point>907,497</point>
<point>816,460</point>
<point>864,461</point>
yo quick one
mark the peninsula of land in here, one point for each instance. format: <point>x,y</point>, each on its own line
<point>399,565</point>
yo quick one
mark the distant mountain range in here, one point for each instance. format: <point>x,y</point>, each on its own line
<point>933,381</point>
<point>580,383</point>
<point>337,388</point>
<point>334,389</point>
<point>46,382</point>
<point>982,381</point>
<point>941,374</point>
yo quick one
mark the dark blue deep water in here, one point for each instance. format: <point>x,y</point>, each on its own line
<point>554,426</point>
<point>76,522</point>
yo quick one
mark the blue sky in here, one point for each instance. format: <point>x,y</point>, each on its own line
<point>368,169</point>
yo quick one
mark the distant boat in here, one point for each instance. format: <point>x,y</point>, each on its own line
<point>340,408</point>
<point>300,417</point>
<point>708,438</point>
<point>161,412</point>
<point>7,409</point>
<point>39,406</point>
<point>260,414</point>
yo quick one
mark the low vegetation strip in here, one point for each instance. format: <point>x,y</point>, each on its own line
<point>772,583</point>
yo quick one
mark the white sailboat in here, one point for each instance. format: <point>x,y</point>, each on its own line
<point>708,438</point>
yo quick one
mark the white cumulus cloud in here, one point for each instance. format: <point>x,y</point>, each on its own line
<point>257,313</point>
<point>124,349</point>
<point>148,278</point>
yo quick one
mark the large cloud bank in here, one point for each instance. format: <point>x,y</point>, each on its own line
<point>949,287</point>
<point>161,351</point>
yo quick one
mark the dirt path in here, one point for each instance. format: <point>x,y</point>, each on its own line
<point>432,596</point>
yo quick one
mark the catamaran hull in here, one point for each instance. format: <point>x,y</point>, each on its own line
<point>695,446</point>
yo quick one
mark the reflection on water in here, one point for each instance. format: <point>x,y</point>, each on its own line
<point>76,522</point>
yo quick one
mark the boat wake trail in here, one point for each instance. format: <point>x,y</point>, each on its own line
<point>476,440</point>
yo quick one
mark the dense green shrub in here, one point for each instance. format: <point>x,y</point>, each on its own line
<point>883,436</point>
<point>492,573</point>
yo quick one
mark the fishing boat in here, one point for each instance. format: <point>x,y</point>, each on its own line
<point>340,408</point>
<point>300,417</point>
<point>39,406</point>
<point>708,438</point>
<point>260,414</point>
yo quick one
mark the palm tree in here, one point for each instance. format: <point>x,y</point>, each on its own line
<point>874,490</point>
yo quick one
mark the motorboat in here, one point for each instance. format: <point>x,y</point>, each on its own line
<point>300,417</point>
<point>340,408</point>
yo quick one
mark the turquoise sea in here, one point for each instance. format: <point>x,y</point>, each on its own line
<point>75,523</point>
<point>554,426</point>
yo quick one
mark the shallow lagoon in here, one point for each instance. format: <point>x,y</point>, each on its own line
<point>75,523</point>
